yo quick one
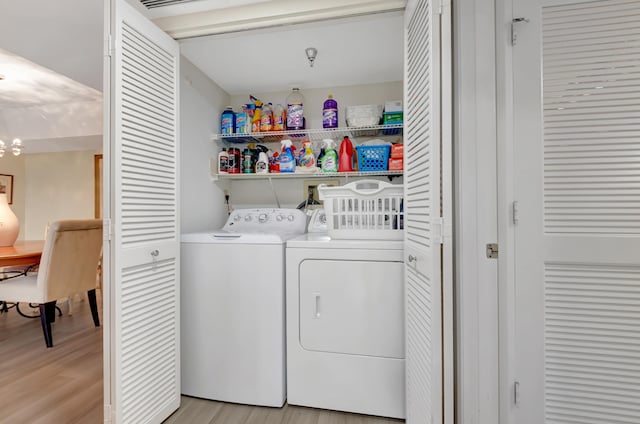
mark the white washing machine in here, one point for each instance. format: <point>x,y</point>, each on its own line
<point>345,325</point>
<point>232,308</point>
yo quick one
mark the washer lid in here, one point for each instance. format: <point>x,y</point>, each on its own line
<point>323,241</point>
<point>223,237</point>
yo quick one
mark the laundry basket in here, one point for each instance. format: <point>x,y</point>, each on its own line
<point>364,210</point>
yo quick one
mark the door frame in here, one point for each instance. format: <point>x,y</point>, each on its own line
<point>477,211</point>
<point>506,197</point>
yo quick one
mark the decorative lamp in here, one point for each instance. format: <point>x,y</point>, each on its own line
<point>16,146</point>
<point>9,225</point>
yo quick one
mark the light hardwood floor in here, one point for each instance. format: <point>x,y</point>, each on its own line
<point>200,411</point>
<point>63,385</point>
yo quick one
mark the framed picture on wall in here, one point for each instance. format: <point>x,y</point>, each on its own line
<point>6,186</point>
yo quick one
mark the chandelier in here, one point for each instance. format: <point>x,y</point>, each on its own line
<point>16,147</point>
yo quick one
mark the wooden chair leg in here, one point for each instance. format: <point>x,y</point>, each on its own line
<point>47,312</point>
<point>93,304</point>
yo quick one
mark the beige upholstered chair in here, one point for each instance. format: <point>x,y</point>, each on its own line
<point>69,263</point>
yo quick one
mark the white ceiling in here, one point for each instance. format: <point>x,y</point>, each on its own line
<point>351,51</point>
<point>62,35</point>
<point>66,36</point>
<point>195,6</point>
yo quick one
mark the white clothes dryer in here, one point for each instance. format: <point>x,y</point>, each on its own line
<point>345,325</point>
<point>232,308</point>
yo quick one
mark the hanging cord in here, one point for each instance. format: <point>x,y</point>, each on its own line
<point>273,190</point>
<point>226,200</point>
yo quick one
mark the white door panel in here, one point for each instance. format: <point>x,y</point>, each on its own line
<point>144,264</point>
<point>577,182</point>
<point>428,378</point>
<point>354,307</point>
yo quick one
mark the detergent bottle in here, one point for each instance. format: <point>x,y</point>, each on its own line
<point>330,159</point>
<point>227,121</point>
<point>262,165</point>
<point>279,118</point>
<point>307,158</point>
<point>330,113</point>
<point>287,159</point>
<point>241,121</point>
<point>295,112</point>
<point>320,157</point>
<point>257,115</point>
<point>266,123</point>
<point>346,156</point>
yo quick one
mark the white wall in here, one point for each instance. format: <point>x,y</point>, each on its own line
<point>247,194</point>
<point>57,186</point>
<point>345,96</point>
<point>201,103</point>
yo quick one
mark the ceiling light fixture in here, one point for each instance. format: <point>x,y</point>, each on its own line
<point>311,52</point>
<point>16,147</point>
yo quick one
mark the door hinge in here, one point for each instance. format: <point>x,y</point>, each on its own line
<point>438,228</point>
<point>492,250</point>
<point>516,392</point>
<point>441,7</point>
<point>514,29</point>
<point>107,229</point>
<point>107,415</point>
<point>515,212</point>
<point>109,47</point>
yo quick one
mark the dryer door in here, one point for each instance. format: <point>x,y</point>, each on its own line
<point>351,306</point>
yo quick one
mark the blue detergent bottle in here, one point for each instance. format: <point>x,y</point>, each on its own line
<point>228,121</point>
<point>287,159</point>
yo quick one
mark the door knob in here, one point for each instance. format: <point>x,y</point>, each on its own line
<point>155,253</point>
<point>412,258</point>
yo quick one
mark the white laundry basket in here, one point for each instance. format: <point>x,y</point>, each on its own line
<point>364,210</point>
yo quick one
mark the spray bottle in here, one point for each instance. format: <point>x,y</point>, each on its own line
<point>307,158</point>
<point>287,159</point>
<point>330,159</point>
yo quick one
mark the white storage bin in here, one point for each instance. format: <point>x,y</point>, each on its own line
<point>364,210</point>
<point>363,115</point>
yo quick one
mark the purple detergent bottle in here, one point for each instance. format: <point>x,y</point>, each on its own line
<point>330,113</point>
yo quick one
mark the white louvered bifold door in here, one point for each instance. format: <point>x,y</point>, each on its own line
<point>577,161</point>
<point>422,223</point>
<point>145,375</point>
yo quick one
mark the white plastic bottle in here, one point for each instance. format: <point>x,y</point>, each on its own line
<point>223,162</point>
<point>262,165</point>
<point>295,112</point>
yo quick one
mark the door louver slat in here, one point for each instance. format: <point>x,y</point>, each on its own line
<point>422,209</point>
<point>592,349</point>
<point>146,378</point>
<point>591,148</point>
<point>150,164</point>
<point>151,4</point>
<point>591,190</point>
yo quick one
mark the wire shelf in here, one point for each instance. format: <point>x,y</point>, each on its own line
<point>312,134</point>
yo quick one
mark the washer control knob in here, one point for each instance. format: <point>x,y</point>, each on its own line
<point>291,218</point>
<point>262,218</point>
<point>247,218</point>
<point>279,218</point>
<point>237,218</point>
